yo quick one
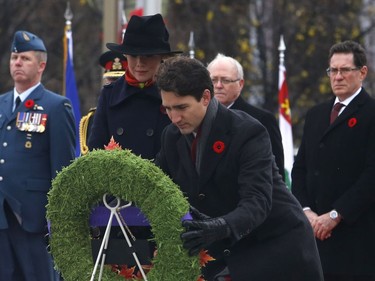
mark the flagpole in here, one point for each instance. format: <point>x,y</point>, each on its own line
<point>124,23</point>
<point>285,119</point>
<point>282,49</point>
<point>70,86</point>
<point>68,15</point>
<point>191,45</point>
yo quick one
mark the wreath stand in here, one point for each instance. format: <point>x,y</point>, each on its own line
<point>114,211</point>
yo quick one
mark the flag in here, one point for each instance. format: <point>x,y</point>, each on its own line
<point>70,86</point>
<point>285,123</point>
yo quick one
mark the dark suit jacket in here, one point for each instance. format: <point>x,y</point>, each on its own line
<point>335,169</point>
<point>270,234</point>
<point>30,159</point>
<point>269,121</point>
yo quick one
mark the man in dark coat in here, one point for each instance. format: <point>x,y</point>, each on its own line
<point>228,80</point>
<point>37,136</point>
<point>222,160</point>
<point>333,175</point>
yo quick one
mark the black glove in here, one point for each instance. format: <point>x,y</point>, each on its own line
<point>202,233</point>
<point>198,215</point>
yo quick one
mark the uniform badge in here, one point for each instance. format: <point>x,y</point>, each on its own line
<point>28,144</point>
<point>31,122</point>
<point>25,36</point>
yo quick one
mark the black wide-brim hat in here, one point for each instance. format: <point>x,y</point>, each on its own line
<point>145,35</point>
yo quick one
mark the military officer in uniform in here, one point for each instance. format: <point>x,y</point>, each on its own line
<point>114,65</point>
<point>37,138</point>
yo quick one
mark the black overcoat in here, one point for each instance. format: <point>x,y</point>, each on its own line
<point>271,236</point>
<point>335,169</point>
<point>269,121</point>
<point>133,116</point>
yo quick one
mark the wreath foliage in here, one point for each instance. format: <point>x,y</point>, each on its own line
<point>81,185</point>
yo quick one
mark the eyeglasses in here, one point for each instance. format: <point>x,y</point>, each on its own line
<point>343,71</point>
<point>224,81</point>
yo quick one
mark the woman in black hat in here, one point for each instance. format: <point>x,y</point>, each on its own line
<point>130,109</point>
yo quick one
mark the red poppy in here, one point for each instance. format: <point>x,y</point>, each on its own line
<point>218,146</point>
<point>29,103</point>
<point>352,122</point>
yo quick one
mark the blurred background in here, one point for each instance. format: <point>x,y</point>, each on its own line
<point>248,30</point>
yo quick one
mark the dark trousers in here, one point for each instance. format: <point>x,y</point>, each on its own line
<point>24,256</point>
<point>340,277</point>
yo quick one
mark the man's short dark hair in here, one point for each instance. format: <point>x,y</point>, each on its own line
<point>184,76</point>
<point>350,47</point>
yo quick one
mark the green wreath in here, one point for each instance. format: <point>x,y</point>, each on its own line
<point>81,185</point>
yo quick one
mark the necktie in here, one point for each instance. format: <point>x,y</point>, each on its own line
<point>335,111</point>
<point>18,101</point>
<point>194,146</point>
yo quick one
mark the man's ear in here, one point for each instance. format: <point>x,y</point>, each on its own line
<point>206,97</point>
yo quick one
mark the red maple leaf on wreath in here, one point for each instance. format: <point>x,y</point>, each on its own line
<point>112,145</point>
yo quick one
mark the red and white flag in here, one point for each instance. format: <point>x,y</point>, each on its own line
<point>285,119</point>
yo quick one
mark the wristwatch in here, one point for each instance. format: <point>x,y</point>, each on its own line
<point>333,214</point>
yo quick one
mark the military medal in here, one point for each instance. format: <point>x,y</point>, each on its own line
<point>31,122</point>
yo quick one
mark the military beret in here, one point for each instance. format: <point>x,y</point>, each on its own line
<point>24,41</point>
<point>114,64</point>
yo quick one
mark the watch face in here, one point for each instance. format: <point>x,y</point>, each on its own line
<point>333,215</point>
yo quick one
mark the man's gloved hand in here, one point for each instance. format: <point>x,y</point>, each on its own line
<point>198,215</point>
<point>201,233</point>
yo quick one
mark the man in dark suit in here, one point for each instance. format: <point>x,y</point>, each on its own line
<point>228,80</point>
<point>222,160</point>
<point>37,137</point>
<point>333,175</point>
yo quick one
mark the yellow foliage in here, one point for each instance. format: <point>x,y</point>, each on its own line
<point>300,37</point>
<point>210,16</point>
<point>225,9</point>
<point>244,46</point>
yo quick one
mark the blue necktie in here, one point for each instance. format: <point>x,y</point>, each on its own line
<point>18,101</point>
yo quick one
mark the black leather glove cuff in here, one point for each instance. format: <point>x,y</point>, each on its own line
<point>201,234</point>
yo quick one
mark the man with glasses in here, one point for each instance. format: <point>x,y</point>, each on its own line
<point>228,80</point>
<point>333,175</point>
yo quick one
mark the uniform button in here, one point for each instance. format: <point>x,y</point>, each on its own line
<point>150,132</point>
<point>226,252</point>
<point>316,173</point>
<point>201,196</point>
<point>9,128</point>
<point>1,178</point>
<point>120,131</point>
<point>2,161</point>
<point>321,145</point>
<point>5,144</point>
